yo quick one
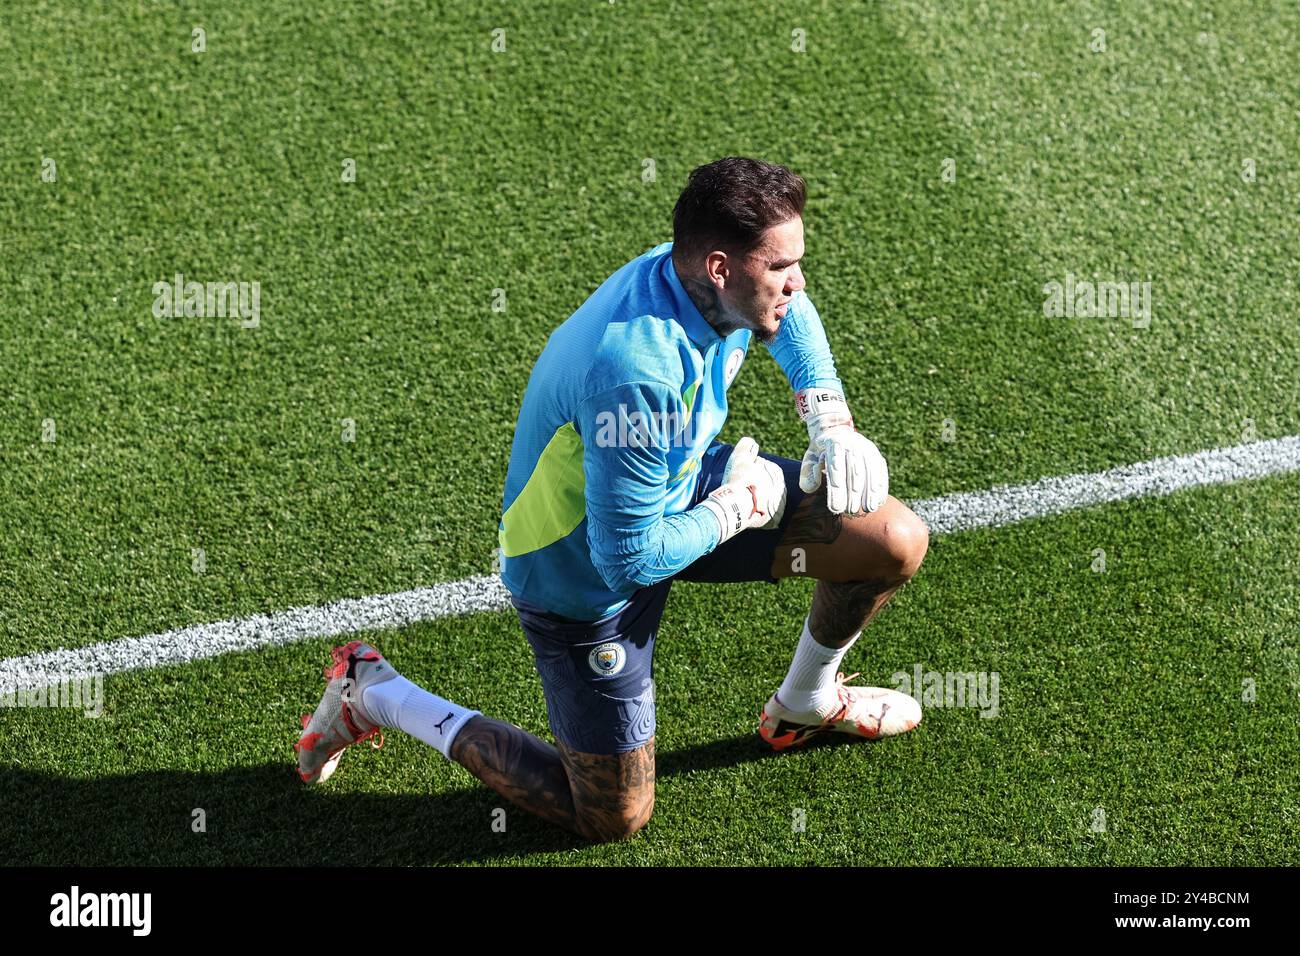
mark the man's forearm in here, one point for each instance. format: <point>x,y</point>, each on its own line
<point>666,548</point>
<point>803,352</point>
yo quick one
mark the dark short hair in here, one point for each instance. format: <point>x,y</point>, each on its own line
<point>729,203</point>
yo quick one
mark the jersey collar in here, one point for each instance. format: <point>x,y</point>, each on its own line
<point>697,329</point>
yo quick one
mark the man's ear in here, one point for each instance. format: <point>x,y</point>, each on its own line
<point>717,268</point>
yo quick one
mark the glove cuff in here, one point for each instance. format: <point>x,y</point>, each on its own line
<point>827,406</point>
<point>730,509</point>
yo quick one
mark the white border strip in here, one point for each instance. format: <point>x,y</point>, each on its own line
<point>1002,505</point>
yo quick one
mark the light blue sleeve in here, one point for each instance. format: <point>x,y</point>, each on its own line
<point>626,435</point>
<point>801,349</point>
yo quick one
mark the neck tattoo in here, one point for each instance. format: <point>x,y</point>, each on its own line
<point>705,297</point>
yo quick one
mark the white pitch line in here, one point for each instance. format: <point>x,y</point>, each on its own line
<point>1008,504</point>
<point>1002,505</point>
<point>349,616</point>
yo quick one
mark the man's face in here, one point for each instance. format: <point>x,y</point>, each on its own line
<point>758,288</point>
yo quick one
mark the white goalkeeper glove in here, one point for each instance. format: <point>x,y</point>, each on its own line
<point>857,478</point>
<point>752,494</point>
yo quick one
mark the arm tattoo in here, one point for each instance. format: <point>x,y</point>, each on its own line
<point>596,796</point>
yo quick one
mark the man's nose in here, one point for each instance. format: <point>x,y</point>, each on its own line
<point>796,281</point>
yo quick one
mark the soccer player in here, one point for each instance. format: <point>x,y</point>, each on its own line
<point>617,487</point>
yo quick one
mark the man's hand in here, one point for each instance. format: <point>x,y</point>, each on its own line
<point>857,478</point>
<point>752,494</point>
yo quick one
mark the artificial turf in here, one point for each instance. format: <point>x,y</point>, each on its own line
<point>525,171</point>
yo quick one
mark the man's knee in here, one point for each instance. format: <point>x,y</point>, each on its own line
<point>607,827</point>
<point>613,795</point>
<point>905,539</point>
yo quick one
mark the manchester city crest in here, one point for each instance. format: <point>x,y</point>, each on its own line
<point>733,365</point>
<point>607,659</point>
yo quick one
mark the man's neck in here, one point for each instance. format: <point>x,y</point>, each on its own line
<point>705,297</point>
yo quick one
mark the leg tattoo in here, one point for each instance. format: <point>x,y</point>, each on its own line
<point>613,795</point>
<point>840,610</point>
<point>837,546</point>
<point>523,769</point>
<point>813,523</point>
<point>596,796</point>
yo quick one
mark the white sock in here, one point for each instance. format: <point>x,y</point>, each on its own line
<point>809,687</point>
<point>409,707</point>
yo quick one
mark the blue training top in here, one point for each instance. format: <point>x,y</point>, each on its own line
<point>625,398</point>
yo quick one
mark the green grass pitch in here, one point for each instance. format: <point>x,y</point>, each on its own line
<point>959,157</point>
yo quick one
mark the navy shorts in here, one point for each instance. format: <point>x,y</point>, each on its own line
<point>598,676</point>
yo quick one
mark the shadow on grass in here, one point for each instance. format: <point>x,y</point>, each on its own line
<point>263,815</point>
